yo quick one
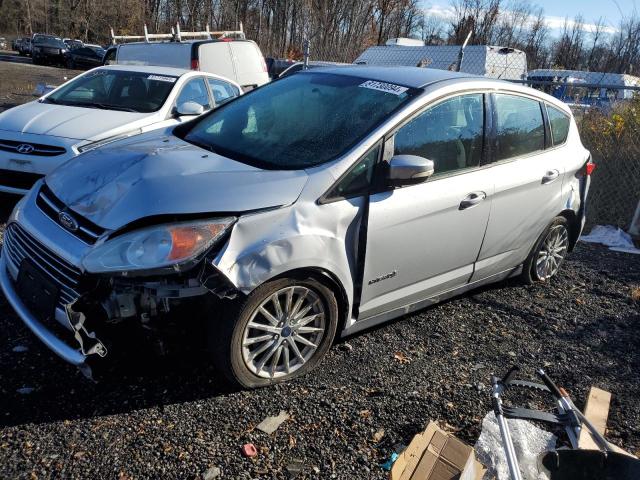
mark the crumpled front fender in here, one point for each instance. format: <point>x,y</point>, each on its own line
<point>308,236</point>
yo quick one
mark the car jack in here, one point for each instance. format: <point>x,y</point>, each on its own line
<point>566,415</point>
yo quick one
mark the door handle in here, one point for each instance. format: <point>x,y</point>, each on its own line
<point>474,198</point>
<point>550,176</point>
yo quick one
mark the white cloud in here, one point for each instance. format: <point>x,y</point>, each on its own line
<point>555,23</point>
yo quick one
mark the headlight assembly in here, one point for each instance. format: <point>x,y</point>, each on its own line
<point>156,247</point>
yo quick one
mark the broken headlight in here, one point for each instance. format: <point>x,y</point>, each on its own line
<point>156,247</point>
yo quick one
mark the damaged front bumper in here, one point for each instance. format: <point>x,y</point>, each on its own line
<point>66,352</point>
<point>121,302</point>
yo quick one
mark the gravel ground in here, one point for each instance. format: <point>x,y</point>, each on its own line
<point>177,418</point>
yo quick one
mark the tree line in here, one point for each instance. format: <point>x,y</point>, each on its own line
<point>339,30</point>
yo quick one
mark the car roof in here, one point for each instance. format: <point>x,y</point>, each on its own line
<point>149,69</point>
<point>412,77</point>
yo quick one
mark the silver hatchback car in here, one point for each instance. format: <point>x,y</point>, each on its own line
<point>318,205</point>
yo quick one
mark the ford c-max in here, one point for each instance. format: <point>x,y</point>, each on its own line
<point>318,205</point>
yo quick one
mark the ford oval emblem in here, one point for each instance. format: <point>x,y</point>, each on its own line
<point>68,221</point>
<point>24,148</point>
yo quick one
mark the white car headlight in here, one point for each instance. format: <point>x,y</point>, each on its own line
<point>156,247</point>
<point>106,141</point>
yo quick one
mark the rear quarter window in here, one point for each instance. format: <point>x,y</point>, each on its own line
<point>559,123</point>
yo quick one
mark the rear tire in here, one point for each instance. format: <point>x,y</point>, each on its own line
<point>258,343</point>
<point>548,253</point>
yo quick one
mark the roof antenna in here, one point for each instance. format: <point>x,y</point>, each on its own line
<point>461,52</point>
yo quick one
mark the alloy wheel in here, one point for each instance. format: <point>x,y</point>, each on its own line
<point>552,252</point>
<point>284,332</point>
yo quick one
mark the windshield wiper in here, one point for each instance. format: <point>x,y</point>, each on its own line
<point>108,106</point>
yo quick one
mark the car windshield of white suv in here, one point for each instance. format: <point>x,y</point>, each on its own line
<point>115,90</point>
<point>297,122</point>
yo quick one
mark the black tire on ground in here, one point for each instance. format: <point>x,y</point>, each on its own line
<point>529,273</point>
<point>226,331</point>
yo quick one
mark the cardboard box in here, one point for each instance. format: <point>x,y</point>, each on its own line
<point>437,455</point>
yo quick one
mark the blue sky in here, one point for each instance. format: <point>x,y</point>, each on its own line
<point>557,10</point>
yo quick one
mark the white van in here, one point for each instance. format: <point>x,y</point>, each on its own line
<point>237,60</point>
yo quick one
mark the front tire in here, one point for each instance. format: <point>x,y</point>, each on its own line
<point>544,261</point>
<point>280,331</point>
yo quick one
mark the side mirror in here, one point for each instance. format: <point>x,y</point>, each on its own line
<point>408,170</point>
<point>189,108</point>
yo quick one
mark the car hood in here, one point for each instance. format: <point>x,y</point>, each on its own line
<point>65,121</point>
<point>160,174</point>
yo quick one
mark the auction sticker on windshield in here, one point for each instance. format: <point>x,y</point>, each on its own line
<point>161,78</point>
<point>384,87</point>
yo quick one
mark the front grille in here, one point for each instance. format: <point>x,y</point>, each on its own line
<point>51,206</point>
<point>23,180</point>
<point>20,245</point>
<point>27,148</point>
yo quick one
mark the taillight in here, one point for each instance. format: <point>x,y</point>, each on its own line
<point>195,64</point>
<point>587,169</point>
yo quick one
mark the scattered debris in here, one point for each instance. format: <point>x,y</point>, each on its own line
<point>249,450</point>
<point>389,463</point>
<point>43,89</point>
<point>378,435</point>
<point>211,473</point>
<point>401,357</point>
<point>529,441</point>
<point>20,349</point>
<point>347,347</point>
<point>271,424</point>
<point>295,467</point>
<point>613,237</point>
<point>25,390</point>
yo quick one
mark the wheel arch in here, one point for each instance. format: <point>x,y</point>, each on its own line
<point>573,223</point>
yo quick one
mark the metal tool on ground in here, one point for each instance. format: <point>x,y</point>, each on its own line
<point>498,388</point>
<point>566,416</point>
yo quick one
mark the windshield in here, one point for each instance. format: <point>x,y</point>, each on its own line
<point>116,90</point>
<point>299,121</point>
<point>49,41</point>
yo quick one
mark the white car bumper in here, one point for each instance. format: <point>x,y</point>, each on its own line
<point>25,158</point>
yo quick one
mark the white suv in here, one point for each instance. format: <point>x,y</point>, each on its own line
<point>96,108</point>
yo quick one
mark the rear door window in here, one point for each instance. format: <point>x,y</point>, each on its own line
<point>222,91</point>
<point>519,126</point>
<point>559,122</point>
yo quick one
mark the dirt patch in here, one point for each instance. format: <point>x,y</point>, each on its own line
<point>19,81</point>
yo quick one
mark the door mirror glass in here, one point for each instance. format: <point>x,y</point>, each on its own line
<point>189,108</point>
<point>408,170</point>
